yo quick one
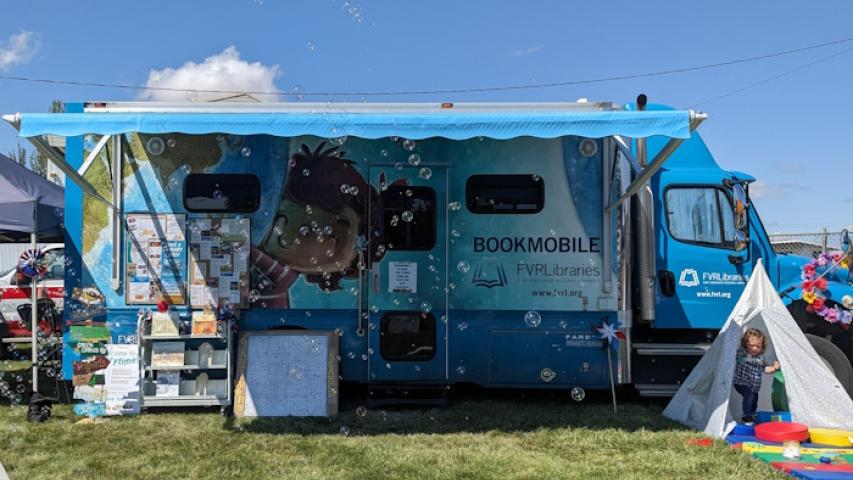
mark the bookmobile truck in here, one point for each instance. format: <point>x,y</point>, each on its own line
<point>443,243</point>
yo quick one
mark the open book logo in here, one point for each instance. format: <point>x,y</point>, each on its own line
<point>689,278</point>
<point>489,273</point>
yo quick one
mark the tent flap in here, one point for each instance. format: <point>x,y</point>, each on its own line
<point>455,126</point>
<point>706,400</point>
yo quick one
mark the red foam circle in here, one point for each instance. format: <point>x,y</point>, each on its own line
<point>782,431</point>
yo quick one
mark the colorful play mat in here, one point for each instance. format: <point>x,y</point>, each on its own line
<point>823,454</point>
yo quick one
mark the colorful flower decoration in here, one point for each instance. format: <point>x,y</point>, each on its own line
<point>814,288</point>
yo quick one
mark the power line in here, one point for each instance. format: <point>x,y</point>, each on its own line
<point>462,90</point>
<point>769,79</point>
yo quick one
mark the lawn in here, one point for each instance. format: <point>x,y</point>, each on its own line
<point>479,435</point>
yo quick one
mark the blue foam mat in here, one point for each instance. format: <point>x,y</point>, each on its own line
<point>815,475</point>
<point>732,438</point>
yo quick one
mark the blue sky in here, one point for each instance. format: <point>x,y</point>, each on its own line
<point>790,133</point>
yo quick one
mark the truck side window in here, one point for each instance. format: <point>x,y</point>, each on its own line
<point>511,194</point>
<point>408,217</point>
<point>700,215</point>
<point>222,192</point>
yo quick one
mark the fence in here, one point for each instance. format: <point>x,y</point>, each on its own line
<point>806,244</point>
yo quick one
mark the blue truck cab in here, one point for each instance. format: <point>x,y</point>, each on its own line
<point>492,244</point>
<point>705,252</point>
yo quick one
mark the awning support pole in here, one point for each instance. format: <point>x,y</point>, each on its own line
<point>70,172</point>
<point>117,226</point>
<point>94,154</point>
<point>696,119</point>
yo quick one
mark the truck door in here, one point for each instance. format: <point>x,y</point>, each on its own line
<point>407,334</point>
<point>701,272</point>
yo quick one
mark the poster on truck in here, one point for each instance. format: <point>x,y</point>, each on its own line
<point>219,262</point>
<point>156,258</point>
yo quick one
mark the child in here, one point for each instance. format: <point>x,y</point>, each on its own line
<point>748,369</point>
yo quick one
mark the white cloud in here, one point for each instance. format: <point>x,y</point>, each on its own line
<point>526,51</point>
<point>774,191</point>
<point>224,72</point>
<point>20,48</point>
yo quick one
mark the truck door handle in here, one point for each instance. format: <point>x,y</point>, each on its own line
<point>666,280</point>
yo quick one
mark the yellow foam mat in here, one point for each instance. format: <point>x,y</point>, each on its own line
<point>830,436</point>
<point>756,447</point>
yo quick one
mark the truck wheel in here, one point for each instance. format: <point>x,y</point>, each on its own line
<point>835,359</point>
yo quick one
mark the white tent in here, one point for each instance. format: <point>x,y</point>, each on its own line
<point>706,400</point>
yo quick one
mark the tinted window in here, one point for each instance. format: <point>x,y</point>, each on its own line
<point>408,218</point>
<point>407,336</point>
<point>222,193</point>
<point>700,215</point>
<point>505,194</point>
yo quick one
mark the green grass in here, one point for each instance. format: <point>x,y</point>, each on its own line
<point>484,435</point>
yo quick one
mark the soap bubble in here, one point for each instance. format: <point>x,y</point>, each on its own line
<point>409,145</point>
<point>20,389</point>
<point>345,431</point>
<point>311,46</point>
<point>463,266</point>
<point>462,326</point>
<point>361,411</point>
<point>454,206</point>
<point>306,172</point>
<point>426,307</point>
<point>532,319</point>
<point>564,324</point>
<point>414,159</point>
<point>170,143</point>
<point>353,190</point>
<point>395,220</point>
<point>155,146</point>
<point>535,178</point>
<point>383,152</point>
<point>398,166</point>
<point>425,173</point>
<point>246,152</point>
<point>338,140</point>
<point>460,370</point>
<point>407,216</point>
<point>351,355</point>
<point>344,188</point>
<point>254,296</point>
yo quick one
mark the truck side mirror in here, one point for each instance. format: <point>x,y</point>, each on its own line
<point>741,203</point>
<point>741,241</point>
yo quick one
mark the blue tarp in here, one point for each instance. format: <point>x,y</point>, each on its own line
<point>415,126</point>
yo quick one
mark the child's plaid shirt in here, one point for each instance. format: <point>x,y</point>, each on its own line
<point>748,369</point>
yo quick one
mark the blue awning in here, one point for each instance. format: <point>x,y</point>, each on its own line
<point>416,126</point>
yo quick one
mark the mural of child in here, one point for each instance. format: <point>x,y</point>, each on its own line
<point>315,232</point>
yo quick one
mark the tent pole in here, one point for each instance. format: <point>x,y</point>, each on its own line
<point>34,315</point>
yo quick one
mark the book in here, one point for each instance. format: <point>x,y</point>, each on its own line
<point>168,384</point>
<point>167,354</point>
<point>164,324</point>
<point>204,323</point>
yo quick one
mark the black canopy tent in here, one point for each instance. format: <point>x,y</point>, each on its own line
<point>30,208</point>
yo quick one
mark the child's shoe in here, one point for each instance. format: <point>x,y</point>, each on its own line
<point>748,420</point>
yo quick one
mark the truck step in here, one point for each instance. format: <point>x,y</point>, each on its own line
<point>397,395</point>
<point>656,390</point>
<point>674,349</point>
